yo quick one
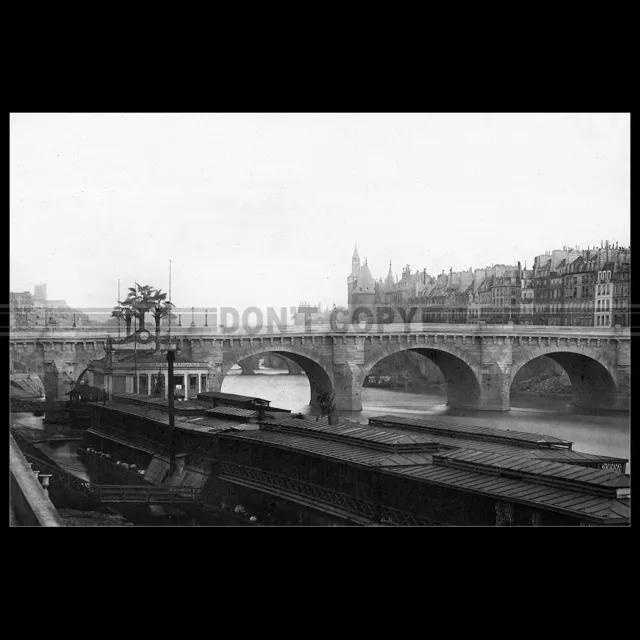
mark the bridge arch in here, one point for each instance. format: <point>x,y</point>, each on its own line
<point>459,370</point>
<point>592,374</point>
<point>318,372</point>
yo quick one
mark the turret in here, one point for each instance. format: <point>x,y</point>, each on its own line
<point>355,262</point>
<point>389,281</point>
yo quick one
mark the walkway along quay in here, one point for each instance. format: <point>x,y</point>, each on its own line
<point>271,467</point>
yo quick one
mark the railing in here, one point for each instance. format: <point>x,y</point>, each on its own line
<point>62,478</point>
<point>329,497</point>
<point>145,494</point>
<point>391,516</point>
<point>92,334</point>
<point>301,488</point>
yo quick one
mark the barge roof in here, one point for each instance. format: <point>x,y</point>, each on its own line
<point>573,502</point>
<point>473,432</point>
<point>350,453</point>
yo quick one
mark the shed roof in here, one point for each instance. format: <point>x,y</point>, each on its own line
<point>427,425</point>
<point>573,502</point>
<point>536,470</point>
<point>240,412</point>
<point>231,396</point>
<point>346,431</point>
<point>349,453</point>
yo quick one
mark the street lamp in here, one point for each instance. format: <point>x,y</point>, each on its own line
<point>193,324</point>
<point>206,311</point>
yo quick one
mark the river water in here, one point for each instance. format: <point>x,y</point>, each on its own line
<point>607,433</point>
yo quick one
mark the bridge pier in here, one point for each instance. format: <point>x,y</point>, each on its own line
<point>249,365</point>
<point>495,385</point>
<point>347,386</point>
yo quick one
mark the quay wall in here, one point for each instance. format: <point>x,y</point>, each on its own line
<point>29,500</point>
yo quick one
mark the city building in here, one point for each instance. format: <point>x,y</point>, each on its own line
<point>603,307</point>
<point>22,310</point>
<point>36,311</point>
<point>40,293</point>
<point>525,308</point>
<point>621,283</point>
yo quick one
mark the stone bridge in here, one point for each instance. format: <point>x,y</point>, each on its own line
<point>479,362</point>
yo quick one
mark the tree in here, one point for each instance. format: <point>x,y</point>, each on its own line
<point>326,405</point>
<point>159,309</point>
<point>140,300</point>
<point>123,312</point>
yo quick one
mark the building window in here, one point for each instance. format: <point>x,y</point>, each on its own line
<point>193,383</point>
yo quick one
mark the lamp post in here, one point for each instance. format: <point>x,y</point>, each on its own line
<point>206,311</point>
<point>172,454</point>
<point>193,324</point>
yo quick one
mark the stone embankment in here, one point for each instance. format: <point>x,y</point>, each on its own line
<point>24,436</point>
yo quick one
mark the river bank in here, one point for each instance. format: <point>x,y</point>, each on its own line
<point>546,383</point>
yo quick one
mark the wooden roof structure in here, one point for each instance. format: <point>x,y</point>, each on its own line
<point>451,429</point>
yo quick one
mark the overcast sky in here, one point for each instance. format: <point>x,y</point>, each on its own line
<point>265,209</point>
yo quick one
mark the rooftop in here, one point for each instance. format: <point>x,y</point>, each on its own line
<point>517,438</point>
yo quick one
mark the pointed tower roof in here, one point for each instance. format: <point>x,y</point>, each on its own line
<point>389,280</point>
<point>366,280</point>
<point>355,254</point>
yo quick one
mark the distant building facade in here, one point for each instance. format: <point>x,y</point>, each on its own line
<point>36,311</point>
<point>565,287</point>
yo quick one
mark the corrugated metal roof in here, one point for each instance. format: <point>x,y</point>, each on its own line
<point>231,396</point>
<point>525,465</point>
<point>573,502</point>
<point>350,453</point>
<point>471,431</point>
<point>233,411</point>
<point>564,455</point>
<point>353,431</point>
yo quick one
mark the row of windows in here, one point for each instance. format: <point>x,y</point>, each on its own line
<point>602,321</point>
<point>605,305</point>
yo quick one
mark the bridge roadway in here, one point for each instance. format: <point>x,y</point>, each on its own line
<point>479,362</point>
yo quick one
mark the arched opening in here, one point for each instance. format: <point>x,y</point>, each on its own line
<point>268,364</point>
<point>580,380</point>
<point>435,378</point>
<point>295,392</point>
